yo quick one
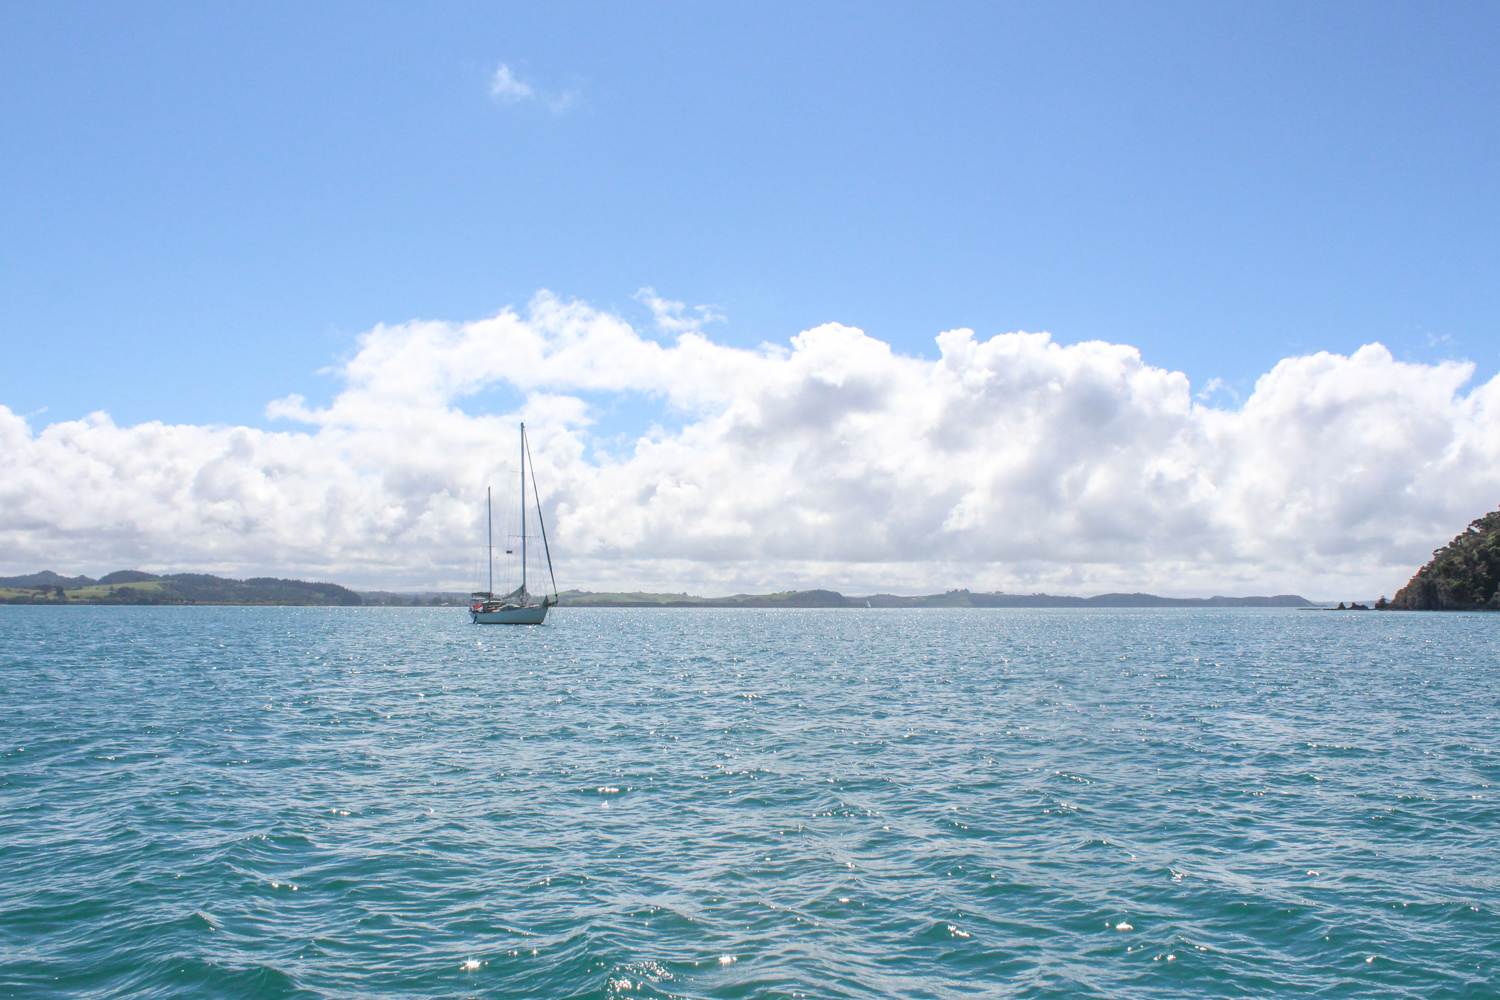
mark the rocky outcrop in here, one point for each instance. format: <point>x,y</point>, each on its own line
<point>1464,575</point>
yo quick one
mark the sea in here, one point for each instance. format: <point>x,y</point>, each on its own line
<point>392,802</point>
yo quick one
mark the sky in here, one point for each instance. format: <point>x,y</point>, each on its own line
<point>1076,297</point>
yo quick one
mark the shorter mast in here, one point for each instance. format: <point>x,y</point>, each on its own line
<point>489,539</point>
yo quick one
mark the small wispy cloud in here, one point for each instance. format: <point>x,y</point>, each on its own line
<point>508,88</point>
<point>1213,387</point>
<point>676,317</point>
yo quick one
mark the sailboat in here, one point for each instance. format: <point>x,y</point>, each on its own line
<point>520,606</point>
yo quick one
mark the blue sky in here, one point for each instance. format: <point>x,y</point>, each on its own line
<point>201,207</point>
<point>205,209</point>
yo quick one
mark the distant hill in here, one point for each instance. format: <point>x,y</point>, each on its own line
<point>1464,575</point>
<point>950,599</point>
<point>422,599</point>
<point>120,576</point>
<point>136,587</point>
<point>46,578</point>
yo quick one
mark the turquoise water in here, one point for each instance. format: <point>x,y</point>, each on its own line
<point>927,803</point>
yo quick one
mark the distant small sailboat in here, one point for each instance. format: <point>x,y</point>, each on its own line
<point>519,607</point>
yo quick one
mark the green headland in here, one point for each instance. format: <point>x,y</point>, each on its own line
<point>135,587</point>
<point>1464,575</point>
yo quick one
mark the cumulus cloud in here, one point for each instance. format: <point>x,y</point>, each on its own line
<point>1007,462</point>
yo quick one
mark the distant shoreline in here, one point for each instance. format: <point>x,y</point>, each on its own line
<point>1464,575</point>
<point>949,599</point>
<point>707,604</point>
<point>133,587</point>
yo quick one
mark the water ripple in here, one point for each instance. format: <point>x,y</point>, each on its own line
<point>682,804</point>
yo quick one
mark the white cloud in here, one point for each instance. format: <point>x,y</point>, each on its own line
<point>671,316</point>
<point>505,86</point>
<point>1213,387</point>
<point>562,101</point>
<point>1008,462</point>
<point>508,88</point>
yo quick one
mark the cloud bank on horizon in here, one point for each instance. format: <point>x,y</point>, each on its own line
<point>1008,462</point>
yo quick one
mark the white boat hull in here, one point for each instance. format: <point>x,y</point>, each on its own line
<point>534,615</point>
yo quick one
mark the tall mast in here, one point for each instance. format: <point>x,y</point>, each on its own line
<point>523,511</point>
<point>541,523</point>
<point>489,539</point>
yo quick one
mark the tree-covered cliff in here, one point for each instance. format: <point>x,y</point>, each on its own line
<point>1464,575</point>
